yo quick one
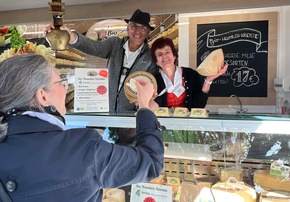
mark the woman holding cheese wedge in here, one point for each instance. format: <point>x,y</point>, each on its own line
<point>184,86</point>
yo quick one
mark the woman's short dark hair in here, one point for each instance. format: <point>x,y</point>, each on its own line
<point>161,43</point>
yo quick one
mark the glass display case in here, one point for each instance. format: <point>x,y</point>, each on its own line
<point>198,148</point>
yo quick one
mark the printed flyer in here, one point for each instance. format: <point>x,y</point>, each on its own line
<point>146,192</point>
<point>91,90</point>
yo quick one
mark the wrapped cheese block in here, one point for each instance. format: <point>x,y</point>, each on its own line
<point>212,64</point>
<point>162,111</point>
<point>243,192</point>
<point>267,181</point>
<point>198,112</point>
<point>180,112</point>
<point>274,196</point>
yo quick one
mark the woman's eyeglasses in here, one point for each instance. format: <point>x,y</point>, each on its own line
<point>63,82</point>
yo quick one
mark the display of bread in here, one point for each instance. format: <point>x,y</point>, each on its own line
<point>162,111</point>
<point>198,112</point>
<point>212,64</point>
<point>180,112</point>
<point>267,181</point>
<point>245,192</point>
<point>130,86</point>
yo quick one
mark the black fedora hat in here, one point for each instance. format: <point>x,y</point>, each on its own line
<point>141,18</point>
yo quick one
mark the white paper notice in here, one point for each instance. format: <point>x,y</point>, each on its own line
<point>146,192</point>
<point>91,90</point>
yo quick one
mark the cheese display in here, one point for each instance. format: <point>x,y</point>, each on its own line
<point>130,87</point>
<point>267,181</point>
<point>212,64</point>
<point>274,196</point>
<point>180,112</point>
<point>198,112</point>
<point>162,111</point>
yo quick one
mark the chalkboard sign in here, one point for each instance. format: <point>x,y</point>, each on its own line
<point>245,47</point>
<point>249,42</point>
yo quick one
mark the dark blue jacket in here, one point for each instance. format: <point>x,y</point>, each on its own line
<point>48,164</point>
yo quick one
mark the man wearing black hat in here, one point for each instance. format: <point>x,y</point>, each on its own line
<point>124,56</point>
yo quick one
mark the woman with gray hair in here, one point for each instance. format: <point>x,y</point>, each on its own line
<point>41,161</point>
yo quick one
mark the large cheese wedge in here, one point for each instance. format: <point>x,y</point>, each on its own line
<point>212,64</point>
<point>274,196</point>
<point>267,181</point>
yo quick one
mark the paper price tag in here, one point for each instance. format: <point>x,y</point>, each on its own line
<point>146,192</point>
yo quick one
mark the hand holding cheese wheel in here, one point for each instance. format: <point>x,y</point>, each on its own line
<point>212,64</point>
<point>130,84</point>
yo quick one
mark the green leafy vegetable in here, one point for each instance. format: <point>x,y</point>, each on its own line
<point>16,41</point>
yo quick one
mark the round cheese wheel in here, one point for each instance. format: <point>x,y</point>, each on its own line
<point>130,86</point>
